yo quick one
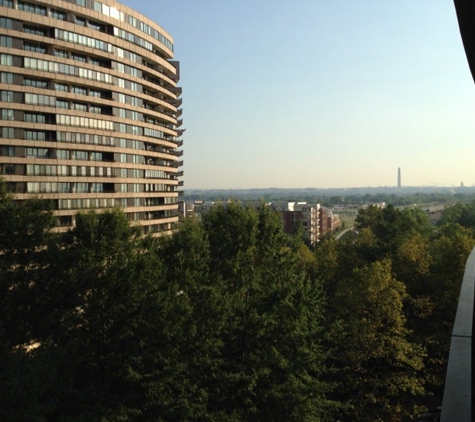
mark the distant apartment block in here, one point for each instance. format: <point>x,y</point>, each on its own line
<point>90,110</point>
<point>323,220</point>
<point>300,216</point>
<point>333,222</point>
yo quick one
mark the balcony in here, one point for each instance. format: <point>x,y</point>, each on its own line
<point>177,90</point>
<point>458,393</point>
<point>176,152</point>
<point>176,102</point>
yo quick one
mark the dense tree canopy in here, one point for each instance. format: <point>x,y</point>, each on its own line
<point>227,320</point>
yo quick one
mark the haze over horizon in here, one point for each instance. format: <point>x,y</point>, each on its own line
<point>325,94</point>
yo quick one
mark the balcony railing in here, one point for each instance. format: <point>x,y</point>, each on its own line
<point>458,393</point>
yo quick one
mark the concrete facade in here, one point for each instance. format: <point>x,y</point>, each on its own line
<point>90,110</point>
<point>295,214</point>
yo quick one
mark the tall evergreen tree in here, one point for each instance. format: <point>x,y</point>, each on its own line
<point>110,280</point>
<point>272,357</point>
<point>25,236</point>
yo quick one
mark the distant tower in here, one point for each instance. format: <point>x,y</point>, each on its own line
<point>399,177</point>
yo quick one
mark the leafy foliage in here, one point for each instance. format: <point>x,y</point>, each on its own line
<point>460,213</point>
<point>377,366</point>
<point>228,319</point>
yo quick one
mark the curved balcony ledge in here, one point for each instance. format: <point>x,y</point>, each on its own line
<point>457,403</point>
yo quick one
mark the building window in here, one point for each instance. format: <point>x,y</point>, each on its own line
<point>40,170</point>
<point>81,155</point>
<point>80,21</point>
<point>83,40</point>
<point>36,152</point>
<point>62,104</point>
<point>38,83</point>
<point>96,156</point>
<point>64,187</point>
<point>6,78</point>
<point>32,8</point>
<point>96,26</point>
<point>61,87</point>
<point>8,151</point>
<point>82,187</point>
<point>7,96</point>
<point>61,53</point>
<point>35,48</point>
<point>78,57</point>
<point>7,114</point>
<point>154,133</point>
<point>6,59</point>
<point>95,109</point>
<point>35,135</point>
<point>5,41</point>
<point>8,169</point>
<point>57,14</point>
<point>134,86</point>
<point>62,154</point>
<point>79,107</point>
<point>5,23</point>
<point>35,118</point>
<point>34,30</point>
<point>97,62</point>
<point>38,99</point>
<point>42,187</point>
<point>6,3</point>
<point>78,90</point>
<point>8,132</point>
<point>95,93</point>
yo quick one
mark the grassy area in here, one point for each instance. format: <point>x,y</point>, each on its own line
<point>347,218</point>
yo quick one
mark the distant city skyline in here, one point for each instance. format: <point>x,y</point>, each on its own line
<point>321,94</point>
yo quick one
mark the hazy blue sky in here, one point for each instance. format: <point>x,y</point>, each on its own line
<point>321,93</point>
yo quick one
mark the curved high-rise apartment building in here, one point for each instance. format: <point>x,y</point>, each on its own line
<point>90,109</point>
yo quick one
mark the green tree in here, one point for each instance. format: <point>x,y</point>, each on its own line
<point>376,367</point>
<point>198,343</point>
<point>392,226</point>
<point>25,232</point>
<point>460,213</point>
<point>272,357</point>
<point>110,280</point>
<point>449,252</point>
<point>25,239</point>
